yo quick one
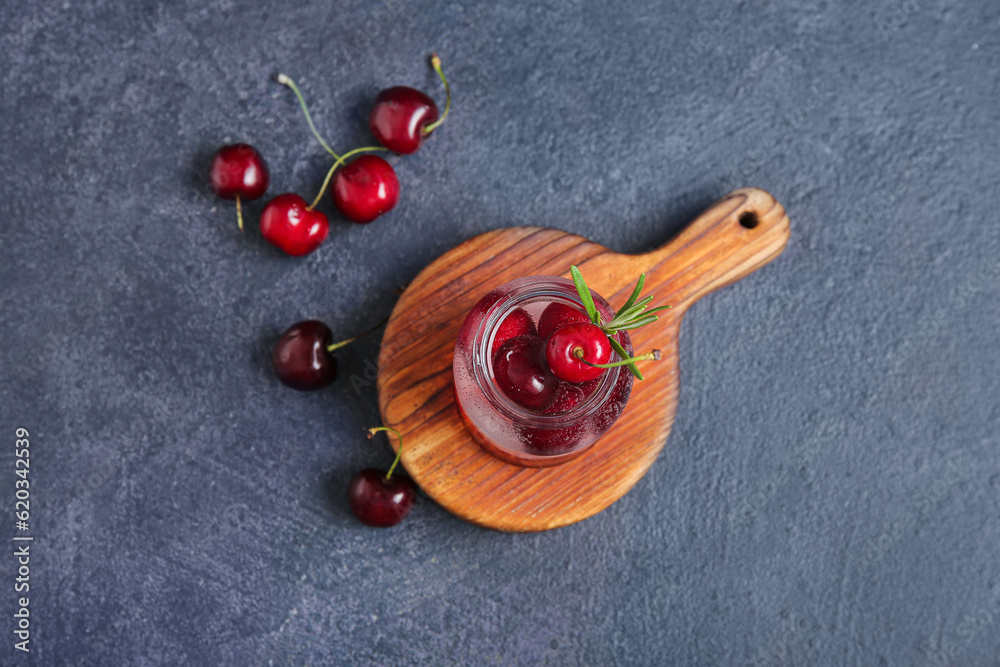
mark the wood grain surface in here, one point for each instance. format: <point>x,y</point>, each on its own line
<point>735,236</point>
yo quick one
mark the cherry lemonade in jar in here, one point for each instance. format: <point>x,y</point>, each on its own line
<point>541,372</point>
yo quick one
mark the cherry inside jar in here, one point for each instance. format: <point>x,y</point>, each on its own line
<point>509,400</point>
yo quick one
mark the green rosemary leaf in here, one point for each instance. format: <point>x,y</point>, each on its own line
<point>635,293</point>
<point>585,296</point>
<point>632,324</point>
<point>633,311</point>
<point>624,355</point>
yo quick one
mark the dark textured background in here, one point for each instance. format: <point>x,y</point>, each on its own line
<point>831,490</point>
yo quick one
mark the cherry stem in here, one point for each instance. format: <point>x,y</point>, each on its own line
<point>399,452</point>
<point>651,356</point>
<point>286,80</point>
<point>239,213</point>
<point>339,162</point>
<point>331,348</point>
<point>436,64</point>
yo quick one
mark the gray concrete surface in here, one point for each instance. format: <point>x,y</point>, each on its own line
<point>831,491</point>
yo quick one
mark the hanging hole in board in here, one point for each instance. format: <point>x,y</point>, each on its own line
<point>748,219</point>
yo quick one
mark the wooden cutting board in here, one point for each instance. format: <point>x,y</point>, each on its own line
<point>737,235</point>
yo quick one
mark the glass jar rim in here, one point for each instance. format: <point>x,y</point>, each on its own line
<point>525,290</point>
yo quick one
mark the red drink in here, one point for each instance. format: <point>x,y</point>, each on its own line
<point>508,398</point>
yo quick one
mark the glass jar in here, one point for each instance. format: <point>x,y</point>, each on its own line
<point>508,430</point>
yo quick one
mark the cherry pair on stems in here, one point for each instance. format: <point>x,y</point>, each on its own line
<point>364,189</point>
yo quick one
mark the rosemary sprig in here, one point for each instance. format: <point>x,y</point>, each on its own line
<point>585,296</point>
<point>632,315</point>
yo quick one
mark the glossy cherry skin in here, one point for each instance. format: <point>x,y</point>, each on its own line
<point>238,170</point>
<point>301,358</point>
<point>520,371</point>
<point>568,396</point>
<point>288,224</point>
<point>558,315</point>
<point>517,323</point>
<point>365,189</point>
<point>379,502</point>
<point>549,441</point>
<point>561,350</point>
<point>399,117</point>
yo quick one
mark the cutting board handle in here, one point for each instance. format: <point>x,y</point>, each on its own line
<point>735,236</point>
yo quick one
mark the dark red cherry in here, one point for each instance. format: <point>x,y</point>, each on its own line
<point>517,323</point>
<point>558,315</point>
<point>520,371</point>
<point>399,117</point>
<point>365,189</point>
<point>549,441</point>
<point>563,437</point>
<point>556,440</point>
<point>475,317</point>
<point>380,502</point>
<point>302,359</point>
<point>288,224</point>
<point>573,343</point>
<point>484,304</point>
<point>568,396</point>
<point>238,170</point>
